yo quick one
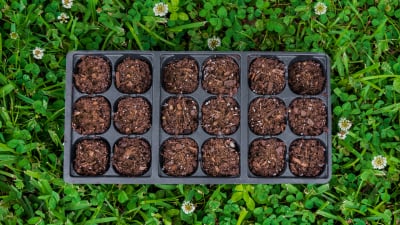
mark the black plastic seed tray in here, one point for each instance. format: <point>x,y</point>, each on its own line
<point>155,136</point>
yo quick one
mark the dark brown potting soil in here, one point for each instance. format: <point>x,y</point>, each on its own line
<point>220,75</point>
<point>91,157</point>
<point>181,76</point>
<point>92,75</point>
<point>179,156</point>
<point>91,115</point>
<point>220,115</point>
<point>132,156</point>
<point>133,76</point>
<point>179,115</point>
<point>306,157</point>
<point>267,157</point>
<point>306,78</point>
<point>307,116</point>
<point>267,116</point>
<point>133,115</point>
<point>267,76</point>
<point>220,157</point>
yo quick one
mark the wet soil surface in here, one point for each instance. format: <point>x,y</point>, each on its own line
<point>306,157</point>
<point>181,76</point>
<point>267,157</point>
<point>93,75</point>
<point>91,115</point>
<point>133,76</point>
<point>306,78</point>
<point>91,157</point>
<point>267,116</point>
<point>267,76</point>
<point>221,76</point>
<point>179,115</point>
<point>132,156</point>
<point>179,156</point>
<point>133,115</point>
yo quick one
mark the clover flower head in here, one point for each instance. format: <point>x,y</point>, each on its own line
<point>67,3</point>
<point>213,42</point>
<point>342,134</point>
<point>160,9</point>
<point>379,162</point>
<point>38,53</point>
<point>14,35</point>
<point>320,8</point>
<point>63,18</point>
<point>188,207</point>
<point>344,124</point>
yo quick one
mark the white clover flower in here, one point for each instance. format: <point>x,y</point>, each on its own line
<point>379,162</point>
<point>14,35</point>
<point>320,8</point>
<point>63,18</point>
<point>67,3</point>
<point>188,207</point>
<point>344,124</point>
<point>160,9</point>
<point>38,53</point>
<point>213,42</point>
<point>342,134</point>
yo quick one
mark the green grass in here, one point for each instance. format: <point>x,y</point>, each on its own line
<point>361,37</point>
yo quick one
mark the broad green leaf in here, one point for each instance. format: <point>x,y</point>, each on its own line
<point>122,197</point>
<point>249,201</point>
<point>6,89</point>
<point>396,84</point>
<point>183,16</point>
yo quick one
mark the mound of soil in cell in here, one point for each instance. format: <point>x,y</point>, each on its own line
<point>267,116</point>
<point>91,157</point>
<point>93,75</point>
<point>179,156</point>
<point>220,157</point>
<point>267,76</point>
<point>133,115</point>
<point>221,75</point>
<point>308,116</point>
<point>306,78</point>
<point>221,115</point>
<point>267,157</point>
<point>132,156</point>
<point>91,115</point>
<point>179,115</point>
<point>181,76</point>
<point>133,76</point>
<point>306,157</point>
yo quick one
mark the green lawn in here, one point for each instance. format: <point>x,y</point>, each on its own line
<point>362,37</point>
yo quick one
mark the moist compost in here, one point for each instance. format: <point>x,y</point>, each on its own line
<point>306,78</point>
<point>220,157</point>
<point>308,116</point>
<point>221,75</point>
<point>91,115</point>
<point>306,157</point>
<point>132,156</point>
<point>93,75</point>
<point>133,115</point>
<point>267,157</point>
<point>181,76</point>
<point>179,156</point>
<point>179,115</point>
<point>267,76</point>
<point>267,116</point>
<point>133,76</point>
<point>91,157</point>
<point>220,115</point>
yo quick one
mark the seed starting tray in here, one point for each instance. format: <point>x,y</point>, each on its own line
<point>155,136</point>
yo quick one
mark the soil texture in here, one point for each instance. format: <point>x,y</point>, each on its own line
<point>220,157</point>
<point>132,156</point>
<point>267,116</point>
<point>306,78</point>
<point>133,115</point>
<point>179,156</point>
<point>267,157</point>
<point>93,75</point>
<point>267,76</point>
<point>306,157</point>
<point>220,115</point>
<point>221,76</point>
<point>181,76</point>
<point>91,157</point>
<point>308,116</point>
<point>179,115</point>
<point>133,76</point>
<point>91,115</point>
